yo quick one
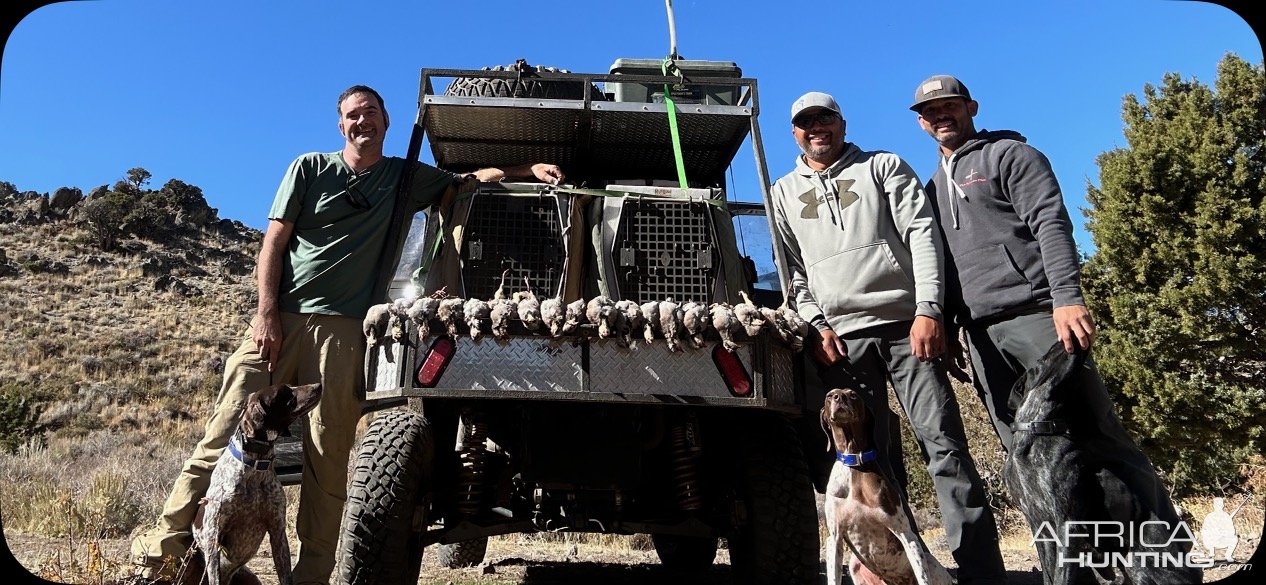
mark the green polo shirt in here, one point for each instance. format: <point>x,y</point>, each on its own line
<point>334,250</point>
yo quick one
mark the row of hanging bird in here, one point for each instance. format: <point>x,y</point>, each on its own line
<point>679,324</point>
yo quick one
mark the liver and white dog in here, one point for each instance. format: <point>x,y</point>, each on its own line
<point>864,509</point>
<point>245,499</point>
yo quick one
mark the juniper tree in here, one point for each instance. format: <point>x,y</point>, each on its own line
<point>1178,280</point>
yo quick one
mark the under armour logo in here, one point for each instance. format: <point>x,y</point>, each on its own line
<point>846,196</point>
<point>811,201</point>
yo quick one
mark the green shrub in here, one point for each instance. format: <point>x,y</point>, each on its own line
<point>20,411</point>
<point>104,215</point>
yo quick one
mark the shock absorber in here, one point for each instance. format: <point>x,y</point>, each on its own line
<point>473,455</point>
<point>685,460</point>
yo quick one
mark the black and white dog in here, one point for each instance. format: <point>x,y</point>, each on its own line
<point>245,500</point>
<point>1080,488</point>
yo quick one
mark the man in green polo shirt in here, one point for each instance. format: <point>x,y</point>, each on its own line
<point>318,266</point>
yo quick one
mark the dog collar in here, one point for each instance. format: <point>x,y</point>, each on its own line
<point>235,449</point>
<point>1041,427</point>
<point>856,459</point>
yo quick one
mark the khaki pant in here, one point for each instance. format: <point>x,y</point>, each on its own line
<point>315,348</point>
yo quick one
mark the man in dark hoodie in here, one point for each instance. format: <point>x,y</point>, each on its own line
<point>1013,275</point>
<point>865,261</point>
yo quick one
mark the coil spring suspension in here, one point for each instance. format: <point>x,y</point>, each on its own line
<point>473,455</point>
<point>685,453</point>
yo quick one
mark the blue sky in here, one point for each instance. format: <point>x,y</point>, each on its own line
<point>224,94</point>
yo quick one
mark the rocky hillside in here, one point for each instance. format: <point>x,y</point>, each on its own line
<point>125,339</point>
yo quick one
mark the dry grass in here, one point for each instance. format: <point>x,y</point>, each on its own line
<point>122,374</point>
<point>102,336</point>
<point>119,482</point>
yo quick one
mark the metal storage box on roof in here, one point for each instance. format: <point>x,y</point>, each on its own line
<point>717,95</point>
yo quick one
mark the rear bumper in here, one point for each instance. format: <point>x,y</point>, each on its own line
<point>585,368</point>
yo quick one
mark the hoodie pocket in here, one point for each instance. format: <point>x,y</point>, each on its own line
<point>992,281</point>
<point>859,279</point>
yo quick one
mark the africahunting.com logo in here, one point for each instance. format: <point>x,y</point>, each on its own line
<point>1156,543</point>
<point>1153,543</point>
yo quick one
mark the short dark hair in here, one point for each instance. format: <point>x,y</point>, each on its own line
<point>355,89</point>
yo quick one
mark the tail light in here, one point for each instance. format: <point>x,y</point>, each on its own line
<point>437,358</point>
<point>732,372</point>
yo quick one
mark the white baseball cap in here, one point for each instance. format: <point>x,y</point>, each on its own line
<point>814,99</point>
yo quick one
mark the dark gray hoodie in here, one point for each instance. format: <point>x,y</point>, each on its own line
<point>1009,242</point>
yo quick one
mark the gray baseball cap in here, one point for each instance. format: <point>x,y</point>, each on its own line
<point>814,99</point>
<point>937,87</point>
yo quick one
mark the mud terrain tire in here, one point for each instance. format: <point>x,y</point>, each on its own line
<point>534,82</point>
<point>460,555</point>
<point>778,543</point>
<point>380,536</point>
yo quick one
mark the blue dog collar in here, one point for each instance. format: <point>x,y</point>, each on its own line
<point>235,449</point>
<point>856,460</point>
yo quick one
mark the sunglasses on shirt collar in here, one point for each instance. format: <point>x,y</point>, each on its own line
<point>354,196</point>
<point>807,121</point>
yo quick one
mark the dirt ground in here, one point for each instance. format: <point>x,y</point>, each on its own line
<point>511,560</point>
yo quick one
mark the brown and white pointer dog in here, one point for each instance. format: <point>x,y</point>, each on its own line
<point>863,508</point>
<point>245,499</point>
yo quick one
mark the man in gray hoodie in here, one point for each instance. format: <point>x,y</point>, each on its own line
<point>864,255</point>
<point>1014,279</point>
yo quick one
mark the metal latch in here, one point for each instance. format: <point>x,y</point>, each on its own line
<point>628,256</point>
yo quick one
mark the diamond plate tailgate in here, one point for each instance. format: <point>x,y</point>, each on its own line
<point>586,368</point>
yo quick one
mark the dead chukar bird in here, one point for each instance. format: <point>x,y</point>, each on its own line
<point>421,312</point>
<point>573,316</point>
<point>695,320</point>
<point>650,320</point>
<point>600,311</point>
<point>553,314</point>
<point>450,313</point>
<point>529,307</point>
<point>629,321</point>
<point>749,315</point>
<point>797,327</point>
<point>376,325</point>
<point>726,323</point>
<point>477,314</point>
<point>502,309</point>
<point>399,314</point>
<point>670,323</point>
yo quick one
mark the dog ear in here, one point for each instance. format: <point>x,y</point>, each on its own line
<point>252,416</point>
<point>830,440</point>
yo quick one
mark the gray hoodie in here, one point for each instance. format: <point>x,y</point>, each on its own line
<point>1009,242</point>
<point>860,241</point>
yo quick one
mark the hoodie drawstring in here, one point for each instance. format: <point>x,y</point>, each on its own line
<point>828,195</point>
<point>947,164</point>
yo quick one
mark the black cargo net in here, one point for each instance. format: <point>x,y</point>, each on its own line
<point>520,233</point>
<point>665,249</point>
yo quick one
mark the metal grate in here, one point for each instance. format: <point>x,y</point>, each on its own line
<point>664,249</point>
<point>611,140</point>
<point>522,233</point>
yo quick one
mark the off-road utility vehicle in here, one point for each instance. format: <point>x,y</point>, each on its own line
<point>587,426</point>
